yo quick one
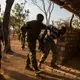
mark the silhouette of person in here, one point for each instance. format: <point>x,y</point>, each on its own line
<point>33,29</point>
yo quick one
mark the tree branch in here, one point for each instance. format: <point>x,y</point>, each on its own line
<point>52,8</point>
<point>37,5</point>
<point>49,7</point>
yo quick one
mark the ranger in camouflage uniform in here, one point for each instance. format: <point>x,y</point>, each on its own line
<point>1,38</point>
<point>49,44</point>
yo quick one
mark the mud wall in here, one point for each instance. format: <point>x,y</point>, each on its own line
<point>68,45</point>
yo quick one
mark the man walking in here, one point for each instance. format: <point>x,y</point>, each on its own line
<point>49,44</point>
<point>33,29</point>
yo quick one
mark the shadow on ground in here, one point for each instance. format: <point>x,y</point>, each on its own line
<point>43,76</point>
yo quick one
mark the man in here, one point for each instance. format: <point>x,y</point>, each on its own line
<point>49,44</point>
<point>33,29</point>
<point>23,35</point>
<point>1,40</point>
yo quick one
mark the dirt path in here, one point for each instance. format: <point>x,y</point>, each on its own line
<point>13,66</point>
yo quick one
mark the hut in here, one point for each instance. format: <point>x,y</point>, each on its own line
<point>69,44</point>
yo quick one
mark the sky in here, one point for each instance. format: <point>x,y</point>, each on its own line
<point>58,13</point>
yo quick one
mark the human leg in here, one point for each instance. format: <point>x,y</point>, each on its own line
<point>32,55</point>
<point>28,63</point>
<point>53,48</point>
<point>45,54</point>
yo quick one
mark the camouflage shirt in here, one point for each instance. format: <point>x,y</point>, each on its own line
<point>1,36</point>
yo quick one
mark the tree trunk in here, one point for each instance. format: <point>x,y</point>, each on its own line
<point>6,18</point>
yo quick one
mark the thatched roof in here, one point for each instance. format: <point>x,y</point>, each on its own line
<point>71,5</point>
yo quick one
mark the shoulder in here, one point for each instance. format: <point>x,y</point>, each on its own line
<point>33,21</point>
<point>43,25</point>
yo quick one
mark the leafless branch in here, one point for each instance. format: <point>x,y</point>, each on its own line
<point>45,8</point>
<point>35,3</point>
<point>43,3</point>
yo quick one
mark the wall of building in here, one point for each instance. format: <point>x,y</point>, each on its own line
<point>68,45</point>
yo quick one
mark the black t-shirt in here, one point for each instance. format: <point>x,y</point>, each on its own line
<point>35,28</point>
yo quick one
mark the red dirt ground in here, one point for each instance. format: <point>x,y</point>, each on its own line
<point>13,66</point>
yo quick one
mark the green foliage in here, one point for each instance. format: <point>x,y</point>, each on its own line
<point>76,23</point>
<point>19,15</point>
<point>62,22</point>
<point>1,18</point>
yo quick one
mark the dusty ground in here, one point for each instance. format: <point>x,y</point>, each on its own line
<point>13,67</point>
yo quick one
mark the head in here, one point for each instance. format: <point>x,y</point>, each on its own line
<point>40,17</point>
<point>63,30</point>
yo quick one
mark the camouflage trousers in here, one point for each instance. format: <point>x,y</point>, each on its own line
<point>31,57</point>
<point>49,45</point>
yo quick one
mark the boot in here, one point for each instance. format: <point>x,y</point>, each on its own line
<point>28,68</point>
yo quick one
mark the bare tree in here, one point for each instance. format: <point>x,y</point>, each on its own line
<point>46,6</point>
<point>6,18</point>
